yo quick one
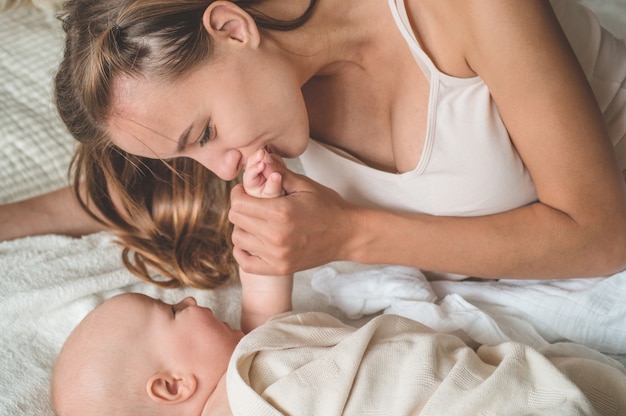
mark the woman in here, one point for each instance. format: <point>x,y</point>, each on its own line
<point>460,137</point>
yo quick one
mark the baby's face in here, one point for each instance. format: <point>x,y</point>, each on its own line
<point>182,339</point>
<point>184,335</point>
<point>136,333</point>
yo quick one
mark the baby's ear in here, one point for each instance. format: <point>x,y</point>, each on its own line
<point>171,388</point>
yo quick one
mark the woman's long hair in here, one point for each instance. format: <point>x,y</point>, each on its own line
<point>169,215</point>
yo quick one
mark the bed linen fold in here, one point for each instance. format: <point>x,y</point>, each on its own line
<point>577,317</point>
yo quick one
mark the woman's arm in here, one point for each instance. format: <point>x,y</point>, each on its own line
<point>56,212</point>
<point>312,225</point>
<point>578,227</point>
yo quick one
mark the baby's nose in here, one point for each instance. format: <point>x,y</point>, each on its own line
<point>191,300</point>
<point>188,301</point>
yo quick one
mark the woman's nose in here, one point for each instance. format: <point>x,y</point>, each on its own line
<point>226,167</point>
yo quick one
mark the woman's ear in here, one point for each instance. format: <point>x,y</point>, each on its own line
<point>166,387</point>
<point>223,19</point>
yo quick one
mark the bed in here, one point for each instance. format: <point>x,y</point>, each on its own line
<point>48,283</point>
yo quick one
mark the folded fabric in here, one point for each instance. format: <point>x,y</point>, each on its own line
<point>579,317</point>
<point>372,290</point>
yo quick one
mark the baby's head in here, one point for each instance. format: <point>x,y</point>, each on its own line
<point>136,355</point>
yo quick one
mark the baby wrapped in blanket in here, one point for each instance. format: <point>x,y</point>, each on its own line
<point>140,356</point>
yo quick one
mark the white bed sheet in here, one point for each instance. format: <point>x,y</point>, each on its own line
<point>583,318</point>
<point>48,283</point>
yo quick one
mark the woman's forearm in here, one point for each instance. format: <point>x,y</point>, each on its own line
<point>531,242</point>
<point>582,232</point>
<point>57,212</point>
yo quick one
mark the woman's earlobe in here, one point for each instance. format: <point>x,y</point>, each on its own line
<point>224,19</point>
<point>169,388</point>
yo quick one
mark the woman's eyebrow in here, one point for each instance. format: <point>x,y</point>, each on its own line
<point>183,139</point>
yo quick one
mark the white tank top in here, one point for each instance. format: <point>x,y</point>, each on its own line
<point>469,165</point>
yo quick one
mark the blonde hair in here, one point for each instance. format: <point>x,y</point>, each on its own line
<point>174,213</point>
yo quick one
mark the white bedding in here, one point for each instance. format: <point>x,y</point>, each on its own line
<point>48,283</point>
<point>580,317</point>
<point>34,147</point>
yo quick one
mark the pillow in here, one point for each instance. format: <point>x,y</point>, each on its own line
<point>35,148</point>
<point>611,13</point>
<point>46,5</point>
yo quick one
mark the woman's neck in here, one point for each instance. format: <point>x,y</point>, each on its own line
<point>339,36</point>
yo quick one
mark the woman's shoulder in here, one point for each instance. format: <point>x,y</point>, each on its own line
<point>440,27</point>
<point>453,31</point>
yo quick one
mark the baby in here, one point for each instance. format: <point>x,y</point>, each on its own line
<point>135,355</point>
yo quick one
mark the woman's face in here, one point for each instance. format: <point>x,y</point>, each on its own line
<point>218,115</point>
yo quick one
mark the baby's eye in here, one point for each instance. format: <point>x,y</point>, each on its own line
<point>206,135</point>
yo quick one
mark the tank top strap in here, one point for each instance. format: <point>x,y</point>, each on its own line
<point>398,10</point>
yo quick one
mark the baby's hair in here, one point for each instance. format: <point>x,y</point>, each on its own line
<point>122,399</point>
<point>96,371</point>
<point>170,216</point>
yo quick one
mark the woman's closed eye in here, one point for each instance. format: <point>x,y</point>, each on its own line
<point>206,135</point>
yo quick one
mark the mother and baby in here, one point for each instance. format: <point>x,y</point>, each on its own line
<point>463,138</point>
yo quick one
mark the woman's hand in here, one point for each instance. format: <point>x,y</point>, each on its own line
<point>309,226</point>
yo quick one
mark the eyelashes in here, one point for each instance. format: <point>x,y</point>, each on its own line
<point>206,135</point>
